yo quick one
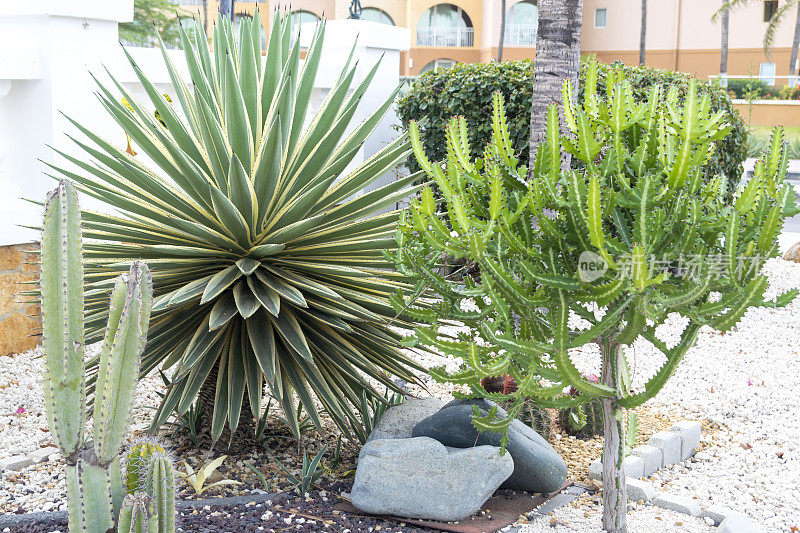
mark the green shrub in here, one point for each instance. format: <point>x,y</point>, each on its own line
<point>466,89</point>
<point>753,88</point>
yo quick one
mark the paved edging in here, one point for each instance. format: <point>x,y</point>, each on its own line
<point>18,462</point>
<point>663,449</point>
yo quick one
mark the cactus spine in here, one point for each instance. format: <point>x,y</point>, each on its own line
<point>137,461</point>
<point>94,485</point>
<point>161,488</point>
<point>583,421</point>
<point>137,515</point>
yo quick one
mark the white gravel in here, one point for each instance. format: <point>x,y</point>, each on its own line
<point>746,380</point>
<point>645,519</point>
<point>41,487</point>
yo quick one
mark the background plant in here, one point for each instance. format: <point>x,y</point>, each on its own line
<point>197,480</point>
<point>641,195</point>
<point>268,266</point>
<point>466,90</point>
<point>149,17</point>
<point>94,477</point>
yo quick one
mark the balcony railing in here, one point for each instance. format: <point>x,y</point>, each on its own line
<point>522,34</point>
<point>200,2</point>
<point>444,37</point>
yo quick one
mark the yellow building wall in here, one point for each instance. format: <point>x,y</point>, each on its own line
<point>681,34</point>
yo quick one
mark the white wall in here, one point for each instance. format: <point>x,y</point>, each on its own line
<point>47,52</point>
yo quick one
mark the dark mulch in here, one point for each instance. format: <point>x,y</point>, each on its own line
<point>290,513</point>
<point>286,513</point>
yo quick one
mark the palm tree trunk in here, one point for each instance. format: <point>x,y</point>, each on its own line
<point>615,497</point>
<point>643,33</point>
<point>205,17</point>
<point>226,8</point>
<point>795,45</point>
<point>723,58</point>
<point>502,30</point>
<point>558,57</point>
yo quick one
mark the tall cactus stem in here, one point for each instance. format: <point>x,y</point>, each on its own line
<point>117,486</point>
<point>94,482</point>
<point>161,488</point>
<point>137,515</point>
<point>615,497</point>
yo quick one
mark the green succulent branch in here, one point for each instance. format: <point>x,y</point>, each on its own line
<point>662,241</point>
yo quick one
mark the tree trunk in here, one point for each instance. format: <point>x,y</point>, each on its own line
<point>615,497</point>
<point>502,30</point>
<point>205,17</point>
<point>643,33</point>
<point>795,45</point>
<point>558,57</point>
<point>723,57</point>
<point>244,437</point>
<point>226,8</point>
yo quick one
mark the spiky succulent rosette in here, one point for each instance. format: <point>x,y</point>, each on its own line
<point>268,265</point>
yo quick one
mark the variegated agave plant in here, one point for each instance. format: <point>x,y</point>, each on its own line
<point>267,265</point>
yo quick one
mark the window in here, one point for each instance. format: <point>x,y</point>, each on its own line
<point>373,14</point>
<point>298,19</point>
<point>600,16</point>
<point>237,24</point>
<point>444,25</point>
<point>522,22</point>
<point>766,71</point>
<point>437,64</point>
<point>770,7</point>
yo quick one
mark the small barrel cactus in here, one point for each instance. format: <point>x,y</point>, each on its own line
<point>531,415</point>
<point>136,463</point>
<point>504,384</point>
<point>586,420</point>
<point>137,515</point>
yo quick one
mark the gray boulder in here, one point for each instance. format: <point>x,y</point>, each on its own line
<point>537,466</point>
<point>398,421</point>
<point>421,478</point>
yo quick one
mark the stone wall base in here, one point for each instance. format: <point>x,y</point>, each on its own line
<point>20,322</point>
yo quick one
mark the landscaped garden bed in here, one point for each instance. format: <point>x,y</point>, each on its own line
<point>749,443</point>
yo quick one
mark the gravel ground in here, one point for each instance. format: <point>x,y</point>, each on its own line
<point>745,383</point>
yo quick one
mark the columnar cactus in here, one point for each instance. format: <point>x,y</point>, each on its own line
<point>137,515</point>
<point>94,483</point>
<point>160,482</point>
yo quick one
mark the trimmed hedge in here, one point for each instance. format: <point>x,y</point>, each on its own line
<point>466,89</point>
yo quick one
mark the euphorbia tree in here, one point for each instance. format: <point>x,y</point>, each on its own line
<point>632,239</point>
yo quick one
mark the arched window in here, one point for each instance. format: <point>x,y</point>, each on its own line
<point>373,14</point>
<point>237,24</point>
<point>437,64</point>
<point>522,20</point>
<point>301,17</point>
<point>444,25</point>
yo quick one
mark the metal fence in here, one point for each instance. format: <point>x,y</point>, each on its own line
<point>444,36</point>
<point>520,34</point>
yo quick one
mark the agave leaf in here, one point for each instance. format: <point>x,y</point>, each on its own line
<point>268,263</point>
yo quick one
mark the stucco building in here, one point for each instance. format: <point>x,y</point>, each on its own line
<point>680,33</point>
